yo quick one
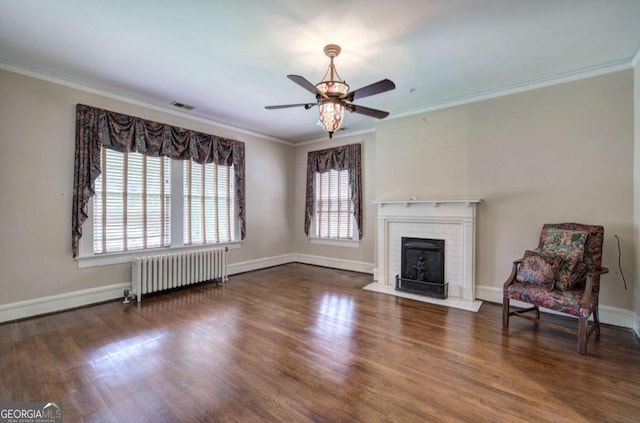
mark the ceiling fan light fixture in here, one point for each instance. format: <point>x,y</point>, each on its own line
<point>331,115</point>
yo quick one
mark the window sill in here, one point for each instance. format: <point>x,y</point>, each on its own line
<point>353,243</point>
<point>107,259</point>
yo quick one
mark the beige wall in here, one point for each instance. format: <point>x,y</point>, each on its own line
<point>365,251</point>
<point>560,153</point>
<point>37,139</point>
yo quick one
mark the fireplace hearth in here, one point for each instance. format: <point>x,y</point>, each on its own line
<point>422,267</point>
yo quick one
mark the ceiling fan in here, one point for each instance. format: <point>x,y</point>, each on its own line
<point>333,95</point>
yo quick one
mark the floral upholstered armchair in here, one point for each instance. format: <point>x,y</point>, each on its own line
<point>562,274</point>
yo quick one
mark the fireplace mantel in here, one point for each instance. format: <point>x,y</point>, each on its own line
<point>453,219</point>
<point>434,202</point>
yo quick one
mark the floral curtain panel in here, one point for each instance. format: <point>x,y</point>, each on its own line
<point>346,157</point>
<point>96,128</point>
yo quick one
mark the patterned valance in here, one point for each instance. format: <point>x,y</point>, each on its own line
<point>346,157</point>
<point>96,128</point>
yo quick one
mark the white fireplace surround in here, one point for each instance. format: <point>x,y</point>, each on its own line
<point>453,220</point>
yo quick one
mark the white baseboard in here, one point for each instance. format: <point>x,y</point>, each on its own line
<point>489,293</point>
<point>336,263</point>
<point>636,324</point>
<point>50,304</point>
<point>247,266</point>
<point>263,263</point>
<point>608,314</point>
<point>616,316</point>
<point>60,302</point>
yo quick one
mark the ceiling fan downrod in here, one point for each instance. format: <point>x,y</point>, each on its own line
<point>329,86</point>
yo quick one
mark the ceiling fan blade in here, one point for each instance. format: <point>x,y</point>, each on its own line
<point>375,88</point>
<point>304,83</point>
<point>379,114</point>
<point>307,106</point>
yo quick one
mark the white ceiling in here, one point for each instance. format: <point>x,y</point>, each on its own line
<point>229,59</point>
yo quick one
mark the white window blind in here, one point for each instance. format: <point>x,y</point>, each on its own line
<point>333,205</point>
<point>131,208</point>
<point>209,203</point>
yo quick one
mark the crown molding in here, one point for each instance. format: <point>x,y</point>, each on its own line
<point>44,76</point>
<point>635,59</point>
<point>519,88</point>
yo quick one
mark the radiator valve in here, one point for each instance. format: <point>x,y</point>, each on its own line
<point>128,295</point>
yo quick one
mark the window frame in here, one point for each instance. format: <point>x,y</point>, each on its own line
<point>354,241</point>
<point>132,175</point>
<point>342,157</point>
<point>228,193</point>
<point>87,258</point>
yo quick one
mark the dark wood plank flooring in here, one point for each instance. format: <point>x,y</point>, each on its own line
<point>303,343</point>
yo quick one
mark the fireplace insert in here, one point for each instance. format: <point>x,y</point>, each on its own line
<point>422,267</point>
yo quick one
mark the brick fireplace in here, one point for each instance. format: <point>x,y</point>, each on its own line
<point>451,220</point>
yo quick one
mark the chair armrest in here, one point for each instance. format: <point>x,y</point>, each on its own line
<point>512,276</point>
<point>588,289</point>
<point>598,271</point>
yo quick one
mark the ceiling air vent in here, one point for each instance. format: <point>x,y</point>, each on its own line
<point>181,105</point>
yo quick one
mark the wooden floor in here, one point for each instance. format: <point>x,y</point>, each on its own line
<point>301,343</point>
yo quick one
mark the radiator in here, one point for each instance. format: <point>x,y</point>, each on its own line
<point>154,273</point>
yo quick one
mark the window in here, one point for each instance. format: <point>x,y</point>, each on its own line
<point>152,138</point>
<point>132,207</point>
<point>209,204</point>
<point>333,205</point>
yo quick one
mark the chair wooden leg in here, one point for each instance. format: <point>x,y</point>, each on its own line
<point>505,312</point>
<point>583,327</point>
<point>596,321</point>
